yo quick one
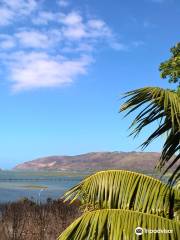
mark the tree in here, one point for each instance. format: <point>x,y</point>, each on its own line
<point>162,105</point>
<point>171,67</point>
<point>116,202</point>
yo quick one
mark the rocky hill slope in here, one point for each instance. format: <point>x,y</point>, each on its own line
<point>144,161</point>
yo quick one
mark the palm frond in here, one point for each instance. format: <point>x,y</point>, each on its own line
<point>116,224</point>
<point>125,190</point>
<point>177,203</point>
<point>162,105</point>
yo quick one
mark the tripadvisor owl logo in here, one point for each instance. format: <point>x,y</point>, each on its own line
<point>138,231</point>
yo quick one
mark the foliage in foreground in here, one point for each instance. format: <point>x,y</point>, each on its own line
<point>117,201</point>
<point>120,189</point>
<point>116,224</point>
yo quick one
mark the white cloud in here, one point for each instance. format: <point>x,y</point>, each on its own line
<point>82,47</point>
<point>12,9</point>
<point>21,6</point>
<point>138,43</point>
<point>6,16</point>
<point>77,32</point>
<point>97,28</point>
<point>47,46</point>
<point>44,17</point>
<point>7,42</point>
<point>38,70</point>
<point>73,28</point>
<point>96,24</point>
<point>63,3</point>
<point>33,39</point>
<point>71,19</point>
<point>117,45</point>
<point>147,24</point>
<point>76,28</point>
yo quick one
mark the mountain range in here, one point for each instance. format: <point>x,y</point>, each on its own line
<point>94,161</point>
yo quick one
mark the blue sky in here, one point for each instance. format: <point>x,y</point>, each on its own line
<point>64,65</point>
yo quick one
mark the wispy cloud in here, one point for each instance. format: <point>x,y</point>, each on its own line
<point>7,42</point>
<point>6,16</point>
<point>138,43</point>
<point>45,17</point>
<point>50,48</point>
<point>73,28</point>
<point>33,39</point>
<point>63,3</point>
<point>72,18</point>
<point>12,9</point>
<point>148,24</point>
<point>22,6</point>
<point>38,69</point>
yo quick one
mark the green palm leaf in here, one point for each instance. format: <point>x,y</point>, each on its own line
<point>164,106</point>
<point>125,190</point>
<point>116,224</point>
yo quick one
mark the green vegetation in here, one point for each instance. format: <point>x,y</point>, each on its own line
<point>171,67</point>
<point>118,224</point>
<point>49,173</point>
<point>116,202</point>
<point>162,105</point>
<point>120,189</point>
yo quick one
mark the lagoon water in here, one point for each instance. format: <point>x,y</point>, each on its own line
<point>38,186</point>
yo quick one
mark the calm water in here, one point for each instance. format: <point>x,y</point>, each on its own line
<point>34,185</point>
<point>38,186</point>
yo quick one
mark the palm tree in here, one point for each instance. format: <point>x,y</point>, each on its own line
<point>116,202</point>
<point>162,105</point>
